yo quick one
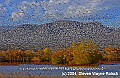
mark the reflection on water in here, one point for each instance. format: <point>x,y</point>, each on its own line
<point>110,71</point>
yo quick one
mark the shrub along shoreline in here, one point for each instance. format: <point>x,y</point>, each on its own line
<point>79,54</point>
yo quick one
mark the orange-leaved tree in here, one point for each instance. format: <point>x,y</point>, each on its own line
<point>44,55</point>
<point>29,54</point>
<point>112,53</point>
<point>86,52</point>
<point>59,57</point>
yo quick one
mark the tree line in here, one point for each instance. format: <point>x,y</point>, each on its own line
<point>86,52</point>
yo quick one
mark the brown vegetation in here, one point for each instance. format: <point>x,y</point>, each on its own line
<point>83,53</point>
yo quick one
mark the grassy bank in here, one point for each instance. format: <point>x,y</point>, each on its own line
<point>19,63</point>
<point>48,63</point>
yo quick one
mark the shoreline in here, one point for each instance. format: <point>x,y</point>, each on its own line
<point>48,63</point>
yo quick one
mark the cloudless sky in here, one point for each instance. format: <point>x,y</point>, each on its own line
<point>16,12</point>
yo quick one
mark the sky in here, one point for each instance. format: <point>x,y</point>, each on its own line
<point>17,12</point>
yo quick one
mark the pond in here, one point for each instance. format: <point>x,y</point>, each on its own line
<point>52,70</point>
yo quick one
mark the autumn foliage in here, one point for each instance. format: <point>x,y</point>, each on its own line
<point>112,54</point>
<point>86,52</point>
<point>82,53</point>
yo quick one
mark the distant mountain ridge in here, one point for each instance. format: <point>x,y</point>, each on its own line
<point>58,34</point>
